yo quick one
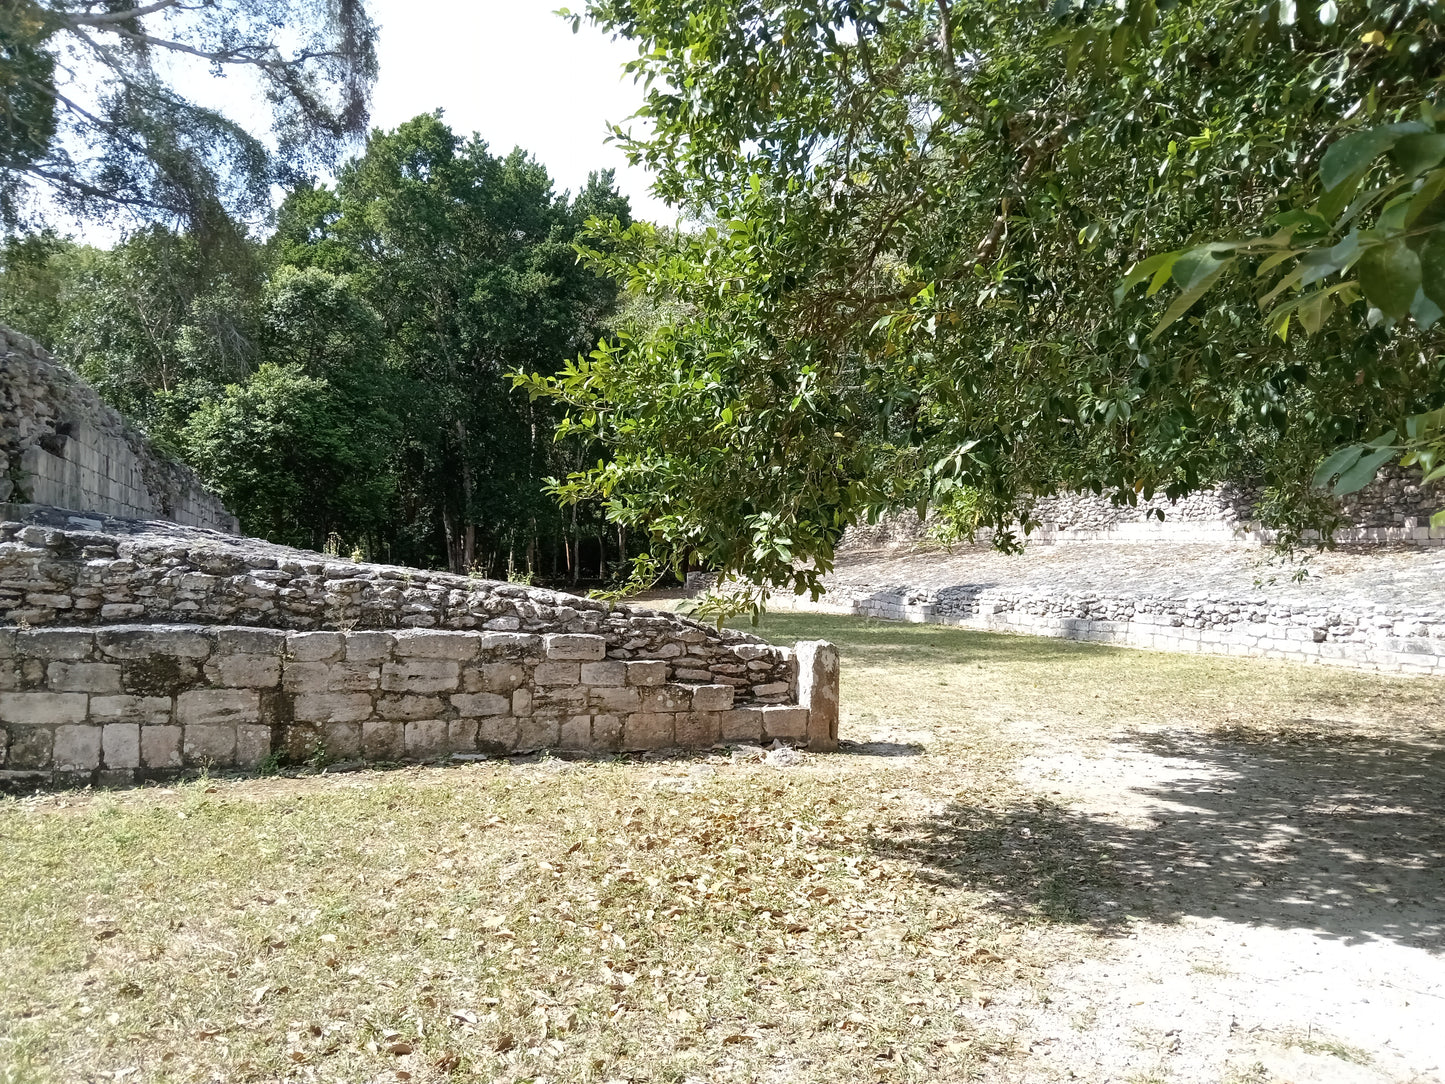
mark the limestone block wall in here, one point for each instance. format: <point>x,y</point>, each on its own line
<point>1395,508</point>
<point>61,445</point>
<point>118,703</point>
<point>1384,638</point>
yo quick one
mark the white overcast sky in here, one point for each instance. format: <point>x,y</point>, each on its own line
<point>515,73</point>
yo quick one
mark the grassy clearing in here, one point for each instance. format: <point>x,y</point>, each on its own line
<point>663,920</point>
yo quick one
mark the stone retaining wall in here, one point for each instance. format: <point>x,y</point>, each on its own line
<point>116,704</point>
<point>1395,508</point>
<point>1382,639</point>
<point>61,445</point>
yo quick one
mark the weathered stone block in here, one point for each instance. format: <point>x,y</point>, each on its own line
<point>647,730</point>
<point>742,724</point>
<point>606,732</point>
<point>426,738</point>
<point>420,676</point>
<point>611,672</point>
<point>697,729</point>
<point>7,643</point>
<point>231,640</point>
<point>244,671</point>
<point>785,722</point>
<point>137,642</point>
<point>481,703</point>
<point>462,735</point>
<point>315,646</point>
<point>522,702</point>
<point>210,743</point>
<point>436,644</point>
<point>818,667</point>
<point>332,707</point>
<point>253,744</point>
<point>579,646</point>
<point>666,698</point>
<point>502,624</point>
<point>158,675</point>
<point>406,706</point>
<point>369,646</point>
<point>30,747</point>
<point>120,745</point>
<point>42,709</point>
<point>497,734</point>
<point>646,672</point>
<point>772,688</point>
<point>83,677</point>
<point>557,673</point>
<point>575,732</point>
<point>160,746</point>
<point>508,644</point>
<point>69,645</point>
<point>300,742</point>
<point>536,732</point>
<point>341,740</point>
<point>559,700</point>
<point>77,748</point>
<point>383,740</point>
<point>203,707</point>
<point>615,701</point>
<point>149,710</point>
<point>493,677</point>
<point>330,677</point>
<point>712,698</point>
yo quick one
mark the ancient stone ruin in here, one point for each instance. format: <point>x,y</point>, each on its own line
<point>133,648</point>
<point>61,446</point>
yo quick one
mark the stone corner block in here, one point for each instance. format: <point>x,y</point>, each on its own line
<point>578,646</point>
<point>818,668</point>
<point>780,721</point>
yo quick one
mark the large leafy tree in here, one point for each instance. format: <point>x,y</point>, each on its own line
<point>468,258</point>
<point>92,112</point>
<point>923,210</point>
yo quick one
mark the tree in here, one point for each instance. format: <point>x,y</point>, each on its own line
<point>91,113</point>
<point>923,212</point>
<point>468,259</point>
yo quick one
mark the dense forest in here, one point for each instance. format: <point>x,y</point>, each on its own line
<point>344,381</point>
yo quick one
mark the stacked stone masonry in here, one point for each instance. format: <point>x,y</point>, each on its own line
<point>1396,508</point>
<point>61,446</point>
<point>130,650</point>
<point>1384,639</point>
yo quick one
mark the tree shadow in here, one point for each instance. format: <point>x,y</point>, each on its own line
<point>1299,829</point>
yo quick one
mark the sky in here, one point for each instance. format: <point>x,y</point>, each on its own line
<point>514,73</point>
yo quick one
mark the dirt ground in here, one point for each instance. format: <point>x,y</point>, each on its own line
<point>1277,911</point>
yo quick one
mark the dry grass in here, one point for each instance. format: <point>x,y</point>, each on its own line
<point>705,918</point>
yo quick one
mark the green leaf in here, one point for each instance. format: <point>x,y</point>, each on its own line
<point>1200,263</point>
<point>1415,154</point>
<point>1314,310</point>
<point>1357,150</point>
<point>1389,275</point>
<point>1335,464</point>
<point>1432,267</point>
<point>1438,519</point>
<point>1186,300</point>
<point>1362,473</point>
<point>1142,270</point>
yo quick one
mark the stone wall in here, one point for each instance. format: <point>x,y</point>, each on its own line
<point>60,445</point>
<point>130,649</point>
<point>114,704</point>
<point>1386,639</point>
<point>1395,508</point>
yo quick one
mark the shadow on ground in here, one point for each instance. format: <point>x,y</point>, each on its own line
<point>1340,835</point>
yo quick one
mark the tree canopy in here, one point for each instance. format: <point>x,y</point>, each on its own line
<point>345,383</point>
<point>924,214</point>
<point>92,112</point>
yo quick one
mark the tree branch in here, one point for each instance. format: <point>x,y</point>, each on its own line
<point>111,17</point>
